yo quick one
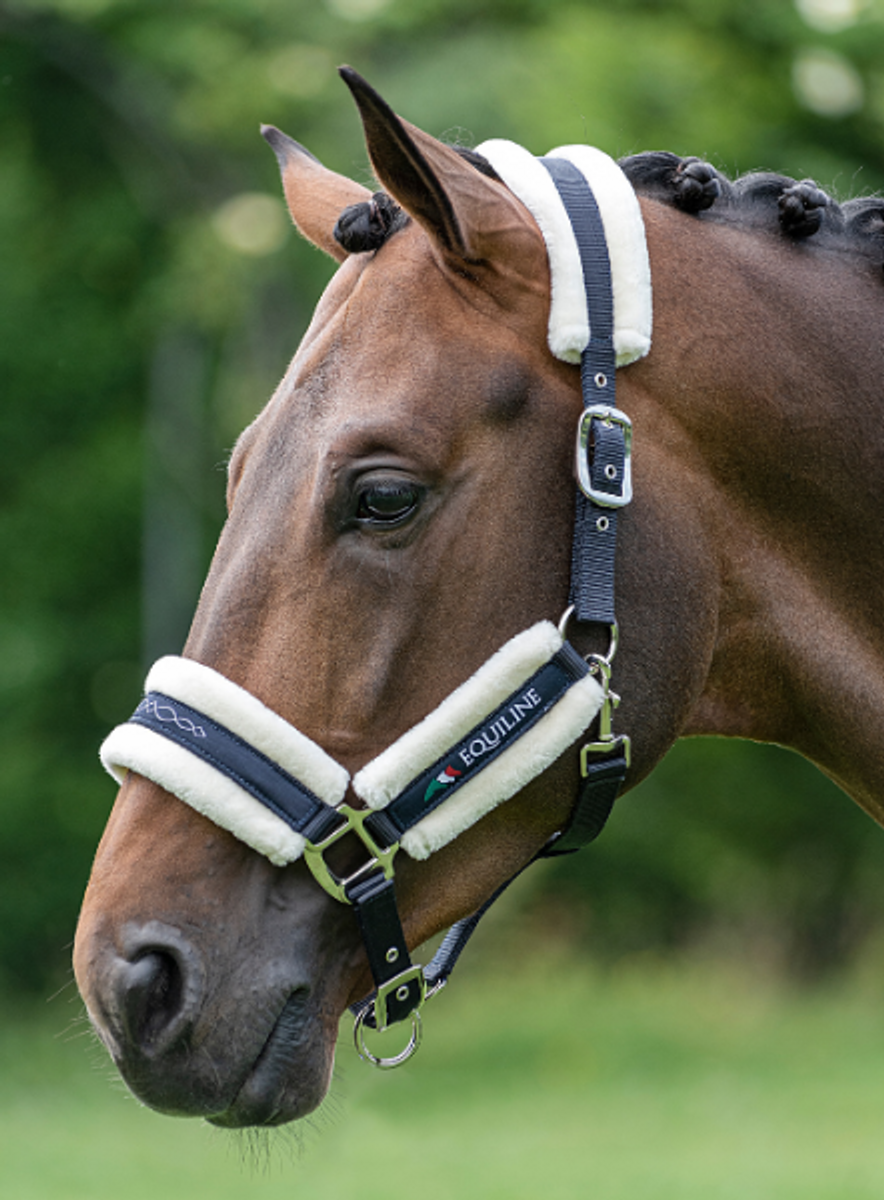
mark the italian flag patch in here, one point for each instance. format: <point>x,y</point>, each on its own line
<point>443,780</point>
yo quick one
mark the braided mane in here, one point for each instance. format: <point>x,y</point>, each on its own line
<point>799,209</point>
<point>761,199</point>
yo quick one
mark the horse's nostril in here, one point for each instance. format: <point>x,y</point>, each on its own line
<point>153,992</point>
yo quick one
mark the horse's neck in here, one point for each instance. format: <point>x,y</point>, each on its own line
<point>784,441</point>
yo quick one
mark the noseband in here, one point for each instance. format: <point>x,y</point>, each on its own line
<point>219,749</point>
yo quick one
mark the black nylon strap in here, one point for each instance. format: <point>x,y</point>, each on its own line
<point>374,902</point>
<point>593,550</point>
<point>595,526</point>
<point>226,752</point>
<point>598,792</point>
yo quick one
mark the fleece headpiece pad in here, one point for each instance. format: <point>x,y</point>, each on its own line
<point>621,216</point>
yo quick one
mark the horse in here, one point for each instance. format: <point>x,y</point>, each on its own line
<point>404,505</point>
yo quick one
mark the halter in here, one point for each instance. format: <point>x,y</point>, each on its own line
<point>218,748</point>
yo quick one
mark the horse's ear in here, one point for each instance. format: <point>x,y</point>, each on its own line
<point>457,205</point>
<point>315,196</point>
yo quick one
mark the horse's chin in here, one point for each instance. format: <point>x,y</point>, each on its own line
<point>286,1081</point>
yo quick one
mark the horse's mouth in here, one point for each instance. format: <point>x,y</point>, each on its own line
<point>277,1088</point>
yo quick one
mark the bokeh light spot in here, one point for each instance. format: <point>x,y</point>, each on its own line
<point>252,223</point>
<point>357,10</point>
<point>829,16</point>
<point>826,83</point>
<point>300,70</point>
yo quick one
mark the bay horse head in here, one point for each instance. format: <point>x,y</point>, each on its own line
<point>403,508</point>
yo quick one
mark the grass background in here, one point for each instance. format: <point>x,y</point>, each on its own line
<point>541,1077</point>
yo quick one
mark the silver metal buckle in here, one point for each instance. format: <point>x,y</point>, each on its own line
<point>398,987</point>
<point>354,822</point>
<point>608,416</point>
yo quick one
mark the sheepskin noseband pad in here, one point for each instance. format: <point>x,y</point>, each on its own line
<point>217,747</point>
<point>490,737</point>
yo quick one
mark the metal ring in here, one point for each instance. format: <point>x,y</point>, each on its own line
<point>386,1064</point>
<point>564,619</point>
<point>613,634</point>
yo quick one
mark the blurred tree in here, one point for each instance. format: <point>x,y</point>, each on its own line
<point>150,296</point>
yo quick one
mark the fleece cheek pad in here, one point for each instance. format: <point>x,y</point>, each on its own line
<point>461,714</point>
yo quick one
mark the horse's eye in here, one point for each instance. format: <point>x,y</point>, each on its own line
<point>388,503</point>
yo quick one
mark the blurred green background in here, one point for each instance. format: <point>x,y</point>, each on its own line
<point>152,293</point>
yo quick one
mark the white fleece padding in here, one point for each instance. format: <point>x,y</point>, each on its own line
<point>510,772</point>
<point>381,780</point>
<point>197,783</point>
<point>134,748</point>
<point>514,663</point>
<point>568,331</point>
<point>242,713</point>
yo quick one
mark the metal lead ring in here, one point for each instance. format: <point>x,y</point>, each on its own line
<point>613,636</point>
<point>386,1064</point>
<point>564,620</point>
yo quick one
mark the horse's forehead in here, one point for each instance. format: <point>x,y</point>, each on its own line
<point>401,332</point>
<point>409,291</point>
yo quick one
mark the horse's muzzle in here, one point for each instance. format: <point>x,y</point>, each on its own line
<point>151,1004</point>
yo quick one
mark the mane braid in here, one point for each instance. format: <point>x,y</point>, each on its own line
<point>367,225</point>
<point>760,200</point>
